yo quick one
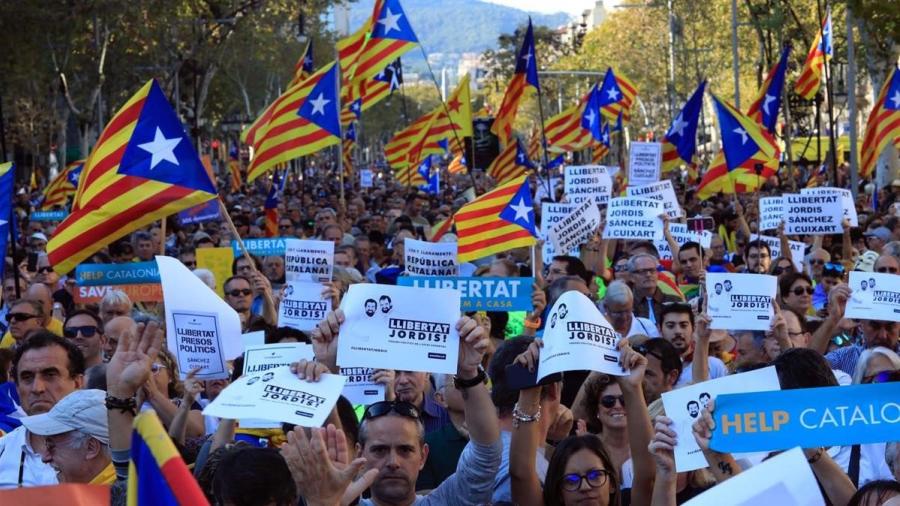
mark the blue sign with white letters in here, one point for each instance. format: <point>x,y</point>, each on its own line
<point>480,293</point>
<point>48,215</point>
<point>260,247</point>
<point>134,273</point>
<point>807,417</point>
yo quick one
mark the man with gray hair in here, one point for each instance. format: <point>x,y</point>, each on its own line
<point>114,303</point>
<point>618,307</point>
<point>648,298</point>
<point>76,438</point>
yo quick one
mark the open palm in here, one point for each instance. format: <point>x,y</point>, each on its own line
<point>130,365</point>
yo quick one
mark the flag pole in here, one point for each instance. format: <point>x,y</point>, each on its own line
<point>829,95</point>
<point>544,154</point>
<point>235,234</point>
<point>340,144</point>
<point>162,234</point>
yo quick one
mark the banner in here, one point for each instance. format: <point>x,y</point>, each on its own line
<point>813,214</point>
<point>424,258</point>
<point>48,215</point>
<point>662,191</point>
<point>308,260</point>
<point>585,182</point>
<point>303,307</point>
<point>741,301</point>
<point>360,388</point>
<point>798,249</point>
<point>365,178</point>
<point>807,417</point>
<point>682,236</point>
<point>847,203</point>
<point>551,214</point>
<point>218,261</point>
<point>683,406</point>
<point>133,273</point>
<point>577,228</point>
<point>771,212</point>
<point>577,337</point>
<point>149,292</point>
<point>208,211</point>
<point>481,293</point>
<point>874,296</point>
<point>401,328</point>
<point>261,247</point>
<point>644,161</point>
<point>633,219</point>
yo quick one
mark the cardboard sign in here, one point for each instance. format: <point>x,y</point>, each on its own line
<point>360,388</point>
<point>578,337</point>
<point>48,215</point>
<point>847,202</point>
<point>137,293</point>
<point>771,212</point>
<point>662,191</point>
<point>813,214</point>
<point>551,214</point>
<point>798,249</point>
<point>807,417</point>
<point>308,260</point>
<point>134,273</point>
<point>577,228</point>
<point>399,327</point>
<point>875,296</point>
<point>208,211</point>
<point>481,293</point>
<point>682,236</point>
<point>430,258</point>
<point>261,247</point>
<point>278,395</point>
<point>741,301</point>
<point>587,182</point>
<point>365,178</point>
<point>260,359</point>
<point>644,162</point>
<point>633,219</point>
<point>683,406</point>
<point>783,479</point>
<point>201,329</point>
<point>218,261</point>
<point>303,306</point>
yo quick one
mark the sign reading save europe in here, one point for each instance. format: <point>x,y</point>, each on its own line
<point>140,280</point>
<point>480,293</point>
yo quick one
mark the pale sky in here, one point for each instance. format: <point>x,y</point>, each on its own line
<point>568,6</point>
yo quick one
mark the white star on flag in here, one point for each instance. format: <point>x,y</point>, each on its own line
<point>527,57</point>
<point>613,94</point>
<point>390,21</point>
<point>678,125</point>
<point>895,98</point>
<point>590,116</point>
<point>769,100</point>
<point>319,104</point>
<point>743,133</point>
<point>161,149</point>
<point>522,211</point>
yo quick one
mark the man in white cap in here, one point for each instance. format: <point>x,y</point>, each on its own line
<point>38,241</point>
<point>76,438</point>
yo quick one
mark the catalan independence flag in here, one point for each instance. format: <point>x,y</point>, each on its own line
<point>617,94</point>
<point>142,169</point>
<point>7,187</point>
<point>565,132</point>
<point>883,125</point>
<point>272,201</point>
<point>765,108</point>
<point>511,163</point>
<point>524,78</point>
<point>156,474</point>
<point>744,139</point>
<point>680,142</point>
<point>304,67</point>
<point>391,36</point>
<point>63,186</point>
<point>810,79</point>
<point>500,220</point>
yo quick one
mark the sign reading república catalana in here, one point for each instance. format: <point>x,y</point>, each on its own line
<point>480,293</point>
<point>308,260</point>
<point>430,258</point>
<point>807,417</point>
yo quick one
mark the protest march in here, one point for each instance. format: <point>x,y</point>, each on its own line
<point>330,254</point>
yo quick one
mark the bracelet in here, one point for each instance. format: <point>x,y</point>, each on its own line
<point>128,405</point>
<point>534,325</point>
<point>520,416</point>
<point>816,456</point>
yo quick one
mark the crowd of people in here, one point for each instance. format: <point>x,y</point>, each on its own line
<point>75,374</point>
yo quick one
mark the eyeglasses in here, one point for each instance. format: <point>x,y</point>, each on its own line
<point>644,272</point>
<point>19,317</point>
<point>155,368</point>
<point>238,292</point>
<point>816,261</point>
<point>892,270</point>
<point>86,331</point>
<point>382,408</point>
<point>609,401</point>
<point>800,290</point>
<point>883,377</point>
<point>779,270</point>
<point>623,267</point>
<point>595,478</point>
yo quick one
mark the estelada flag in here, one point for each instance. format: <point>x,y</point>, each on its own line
<point>142,169</point>
<point>500,220</point>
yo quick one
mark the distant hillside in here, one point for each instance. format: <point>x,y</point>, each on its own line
<point>459,26</point>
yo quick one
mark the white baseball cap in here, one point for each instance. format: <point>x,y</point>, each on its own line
<point>82,410</point>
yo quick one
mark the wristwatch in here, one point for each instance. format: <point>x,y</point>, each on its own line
<point>462,384</point>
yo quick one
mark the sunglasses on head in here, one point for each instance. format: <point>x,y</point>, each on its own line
<point>643,349</point>
<point>240,291</point>
<point>382,408</point>
<point>800,290</point>
<point>834,267</point>
<point>609,401</point>
<point>19,317</point>
<point>86,331</point>
<point>883,377</point>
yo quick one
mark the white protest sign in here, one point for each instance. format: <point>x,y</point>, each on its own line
<point>400,327</point>
<point>253,338</point>
<point>683,406</point>
<point>278,395</point>
<point>365,178</point>
<point>551,214</point>
<point>662,191</point>
<point>797,249</point>
<point>783,479</point>
<point>847,202</point>
<point>740,301</point>
<point>260,359</point>
<point>771,212</point>
<point>634,219</point>
<point>360,387</point>
<point>541,193</point>
<point>578,337</point>
<point>813,214</point>
<point>875,296</point>
<point>303,306</point>
<point>308,260</point>
<point>430,258</point>
<point>682,236</point>
<point>583,182</point>
<point>644,162</point>
<point>577,228</point>
<point>201,329</point>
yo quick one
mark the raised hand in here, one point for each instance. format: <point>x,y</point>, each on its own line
<point>129,368</point>
<point>633,362</point>
<point>662,446</point>
<point>473,343</point>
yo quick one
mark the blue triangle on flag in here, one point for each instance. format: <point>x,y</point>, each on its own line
<point>392,23</point>
<point>321,106</point>
<point>520,210</point>
<point>737,143</point>
<point>590,118</point>
<point>610,93</point>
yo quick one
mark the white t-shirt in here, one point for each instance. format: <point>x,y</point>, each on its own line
<point>16,453</point>
<point>642,326</point>
<point>717,369</point>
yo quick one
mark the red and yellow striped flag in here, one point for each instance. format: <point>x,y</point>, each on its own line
<point>525,78</point>
<point>63,186</point>
<point>511,163</point>
<point>564,131</point>
<point>500,220</point>
<point>458,165</point>
<point>883,125</point>
<point>391,36</point>
<point>810,79</point>
<point>598,151</point>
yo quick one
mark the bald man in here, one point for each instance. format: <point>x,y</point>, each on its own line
<point>39,294</point>
<point>113,330</point>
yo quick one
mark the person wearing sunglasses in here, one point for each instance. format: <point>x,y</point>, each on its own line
<point>796,290</point>
<point>887,264</point>
<point>84,329</point>
<point>815,263</point>
<point>874,333</point>
<point>239,295</point>
<point>24,317</point>
<point>877,365</point>
<point>600,409</point>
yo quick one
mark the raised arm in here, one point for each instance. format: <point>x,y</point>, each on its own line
<point>533,318</point>
<point>722,465</point>
<point>663,450</point>
<point>179,425</point>
<point>837,303</point>
<point>837,485</point>
<point>700,362</point>
<point>846,242</point>
<point>481,415</point>
<point>743,227</point>
<point>640,430</point>
<point>526,437</point>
